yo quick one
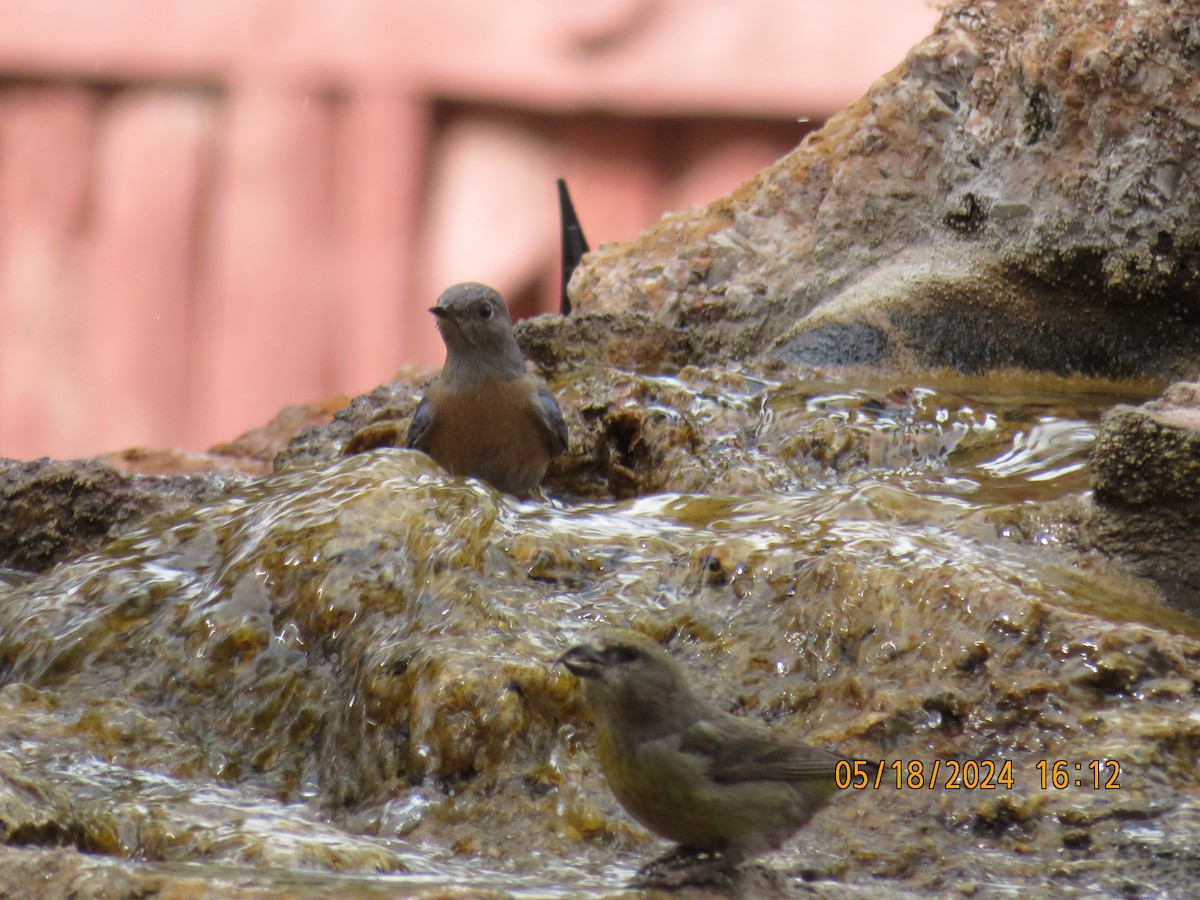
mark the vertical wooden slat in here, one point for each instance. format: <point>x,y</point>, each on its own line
<point>379,173</point>
<point>150,161</point>
<point>263,325</point>
<point>45,161</point>
<point>491,211</point>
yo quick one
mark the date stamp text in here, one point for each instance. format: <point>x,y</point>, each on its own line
<point>972,774</point>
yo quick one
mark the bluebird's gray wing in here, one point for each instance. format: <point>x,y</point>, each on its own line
<point>552,418</point>
<point>737,750</point>
<point>418,431</point>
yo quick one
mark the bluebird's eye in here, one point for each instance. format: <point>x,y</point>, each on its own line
<point>485,311</point>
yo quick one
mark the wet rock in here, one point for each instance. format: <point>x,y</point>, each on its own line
<point>1146,477</point>
<point>249,454</point>
<point>376,419</point>
<point>1015,194</point>
<point>259,446</point>
<point>149,461</point>
<point>1150,454</point>
<point>53,510</point>
<point>347,667</point>
<point>33,874</point>
<point>33,814</point>
<point>716,430</point>
<point>628,341</point>
<point>56,510</point>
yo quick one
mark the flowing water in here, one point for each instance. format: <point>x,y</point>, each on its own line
<point>340,681</point>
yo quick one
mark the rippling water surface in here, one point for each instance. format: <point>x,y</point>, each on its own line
<point>341,681</point>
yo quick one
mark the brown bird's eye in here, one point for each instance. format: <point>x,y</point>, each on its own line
<point>485,311</point>
<point>624,654</point>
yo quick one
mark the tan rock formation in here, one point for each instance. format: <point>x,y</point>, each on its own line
<point>1019,192</point>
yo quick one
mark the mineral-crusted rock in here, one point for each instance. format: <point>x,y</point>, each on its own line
<point>1150,454</point>
<point>383,414</point>
<point>1019,192</point>
<point>56,510</point>
<point>1146,477</point>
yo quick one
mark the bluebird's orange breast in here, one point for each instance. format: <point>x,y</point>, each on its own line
<point>495,432</point>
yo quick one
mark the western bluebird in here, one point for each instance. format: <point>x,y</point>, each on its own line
<point>485,415</point>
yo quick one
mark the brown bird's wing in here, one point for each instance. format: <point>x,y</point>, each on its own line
<point>418,430</point>
<point>552,418</point>
<point>737,750</point>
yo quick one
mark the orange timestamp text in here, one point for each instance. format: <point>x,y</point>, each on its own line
<point>972,774</point>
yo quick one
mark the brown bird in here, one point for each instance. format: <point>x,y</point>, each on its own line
<point>485,415</point>
<point>713,782</point>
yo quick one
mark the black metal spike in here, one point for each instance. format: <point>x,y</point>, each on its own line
<point>574,244</point>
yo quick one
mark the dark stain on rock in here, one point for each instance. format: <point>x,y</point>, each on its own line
<point>1163,244</point>
<point>980,340</point>
<point>1038,118</point>
<point>948,97</point>
<point>967,217</point>
<point>837,344</point>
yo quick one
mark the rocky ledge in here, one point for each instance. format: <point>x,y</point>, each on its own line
<point>1146,479</point>
<point>1020,192</point>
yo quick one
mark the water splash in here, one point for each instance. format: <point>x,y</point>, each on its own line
<point>348,670</point>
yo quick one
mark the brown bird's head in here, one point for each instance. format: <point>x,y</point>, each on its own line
<point>633,684</point>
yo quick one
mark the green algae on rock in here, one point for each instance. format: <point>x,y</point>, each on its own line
<point>347,667</point>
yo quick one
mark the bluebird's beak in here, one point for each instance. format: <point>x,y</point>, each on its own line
<point>440,311</point>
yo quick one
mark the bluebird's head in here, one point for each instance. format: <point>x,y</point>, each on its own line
<point>473,319</point>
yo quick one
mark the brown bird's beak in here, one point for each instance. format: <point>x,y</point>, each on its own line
<point>583,661</point>
<point>440,311</point>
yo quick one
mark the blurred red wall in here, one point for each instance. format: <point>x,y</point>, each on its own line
<point>211,210</point>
